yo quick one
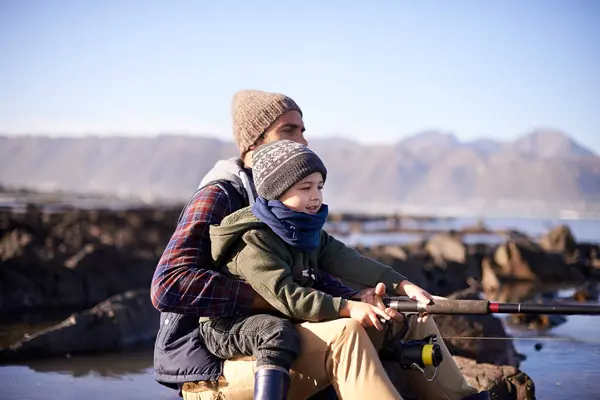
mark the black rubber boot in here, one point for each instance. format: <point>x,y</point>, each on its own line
<point>271,384</point>
<point>485,395</point>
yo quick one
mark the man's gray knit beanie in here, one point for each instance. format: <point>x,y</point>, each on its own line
<point>254,111</point>
<point>279,165</point>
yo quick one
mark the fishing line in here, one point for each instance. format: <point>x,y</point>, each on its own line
<point>567,339</point>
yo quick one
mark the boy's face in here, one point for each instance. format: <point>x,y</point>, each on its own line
<point>305,196</point>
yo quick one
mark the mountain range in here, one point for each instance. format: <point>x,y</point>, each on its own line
<point>544,172</point>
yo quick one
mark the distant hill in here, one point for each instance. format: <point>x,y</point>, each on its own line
<point>549,144</point>
<point>540,173</point>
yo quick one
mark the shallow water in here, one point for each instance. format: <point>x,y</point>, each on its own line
<point>568,364</point>
<point>127,375</point>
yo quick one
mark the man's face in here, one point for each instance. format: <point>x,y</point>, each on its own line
<point>306,195</point>
<point>289,126</point>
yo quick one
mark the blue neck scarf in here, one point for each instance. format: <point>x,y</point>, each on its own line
<point>300,230</point>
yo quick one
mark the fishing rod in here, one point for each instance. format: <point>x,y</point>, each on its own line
<point>485,307</point>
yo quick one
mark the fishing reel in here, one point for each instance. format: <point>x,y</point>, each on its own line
<point>414,354</point>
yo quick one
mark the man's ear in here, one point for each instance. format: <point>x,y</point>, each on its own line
<point>258,142</point>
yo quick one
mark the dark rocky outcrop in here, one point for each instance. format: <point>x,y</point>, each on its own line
<point>555,258</point>
<point>475,329</point>
<point>443,264</point>
<point>398,258</point>
<point>122,320</point>
<point>559,240</point>
<point>526,260</point>
<point>504,382</point>
<point>75,259</point>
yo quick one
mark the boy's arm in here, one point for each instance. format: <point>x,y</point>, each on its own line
<point>262,264</point>
<point>347,263</point>
<point>184,281</point>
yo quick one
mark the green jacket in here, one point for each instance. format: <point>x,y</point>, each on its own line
<point>248,249</point>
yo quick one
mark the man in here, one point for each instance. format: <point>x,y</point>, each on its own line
<point>185,286</point>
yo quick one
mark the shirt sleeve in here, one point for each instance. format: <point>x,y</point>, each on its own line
<point>185,281</point>
<point>347,263</point>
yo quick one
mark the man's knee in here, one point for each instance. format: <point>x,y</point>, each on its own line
<point>348,327</point>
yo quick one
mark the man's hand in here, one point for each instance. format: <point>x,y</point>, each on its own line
<point>418,294</point>
<point>415,292</point>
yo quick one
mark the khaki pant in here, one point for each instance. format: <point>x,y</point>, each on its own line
<point>342,353</point>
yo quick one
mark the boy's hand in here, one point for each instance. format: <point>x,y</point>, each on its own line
<point>374,297</point>
<point>364,313</point>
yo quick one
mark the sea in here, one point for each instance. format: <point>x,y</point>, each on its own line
<point>564,362</point>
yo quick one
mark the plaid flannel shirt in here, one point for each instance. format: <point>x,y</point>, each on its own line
<point>185,281</point>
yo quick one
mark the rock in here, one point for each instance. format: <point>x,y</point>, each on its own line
<point>439,275</point>
<point>587,258</point>
<point>396,257</point>
<point>472,327</point>
<point>120,321</point>
<point>559,240</point>
<point>590,291</point>
<point>526,260</point>
<point>458,263</point>
<point>587,252</point>
<point>536,322</point>
<point>396,252</point>
<point>489,280</point>
<point>503,381</point>
<point>77,258</point>
<point>445,247</point>
<point>521,291</point>
<point>443,282</point>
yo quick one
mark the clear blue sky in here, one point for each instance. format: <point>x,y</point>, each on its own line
<point>375,71</point>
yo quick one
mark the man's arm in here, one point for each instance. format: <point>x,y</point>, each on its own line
<point>184,281</point>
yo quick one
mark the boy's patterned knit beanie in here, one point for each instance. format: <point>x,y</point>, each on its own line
<point>254,111</point>
<point>279,165</point>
